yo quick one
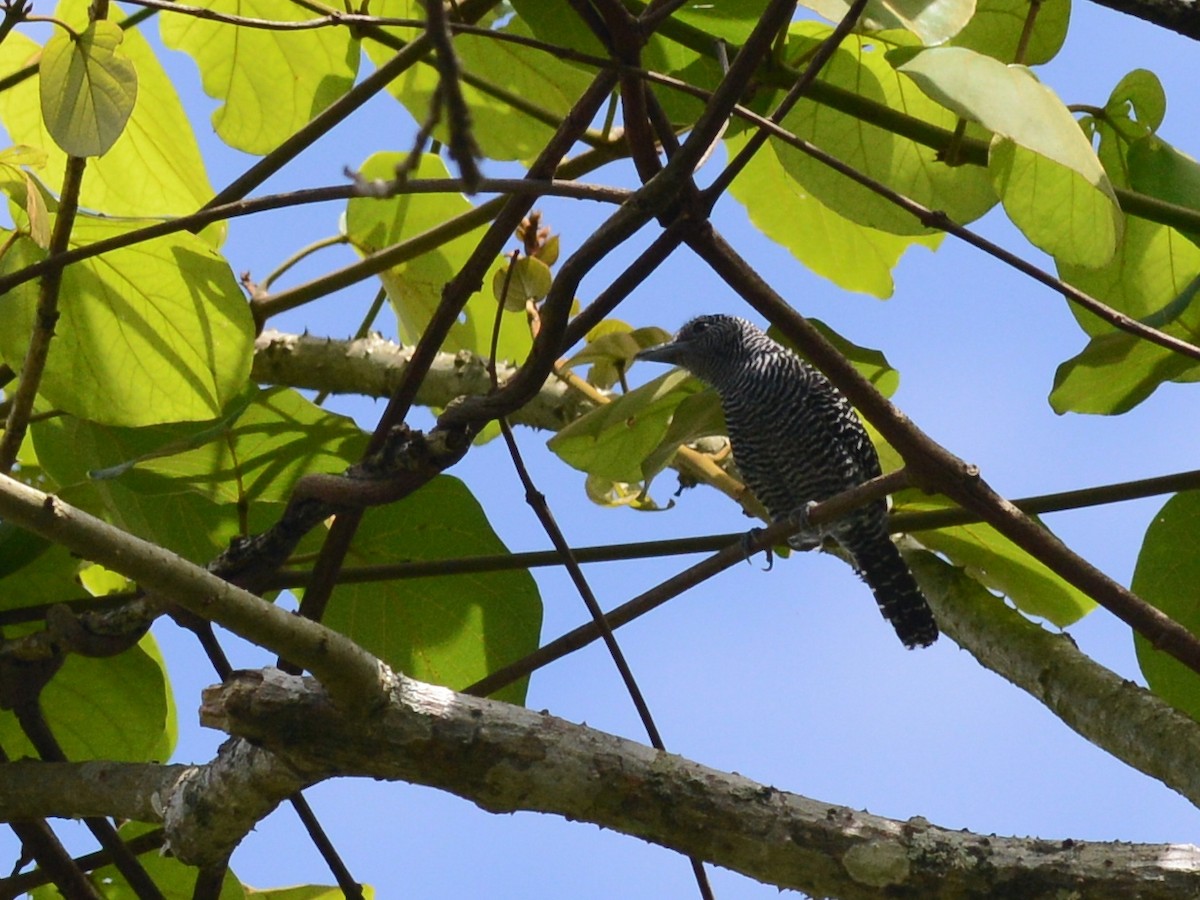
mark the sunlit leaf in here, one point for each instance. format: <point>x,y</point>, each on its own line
<point>530,90</point>
<point>932,21</point>
<point>1045,170</point>
<point>913,169</point>
<point>997,26</point>
<point>612,440</point>
<point>115,707</point>
<point>159,332</point>
<point>519,282</point>
<point>999,564</point>
<point>88,88</point>
<point>269,82</point>
<point>157,142</point>
<point>415,287</point>
<point>174,879</point>
<point>816,235</point>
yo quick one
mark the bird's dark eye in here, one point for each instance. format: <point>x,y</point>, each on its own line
<point>700,327</point>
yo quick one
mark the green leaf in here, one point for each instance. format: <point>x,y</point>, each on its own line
<point>88,88</point>
<point>962,192</point>
<point>1167,576</point>
<point>933,21</point>
<point>871,364</point>
<point>817,236</point>
<point>450,630</point>
<point>188,486</point>
<point>1114,373</point>
<point>999,564</point>
<point>1044,169</point>
<point>1152,278</point>
<point>997,25</point>
<point>611,347</point>
<point>613,440</point>
<point>305,892</point>
<point>519,282</point>
<point>25,192</point>
<point>1158,169</point>
<point>116,707</point>
<point>1138,97</point>
<point>697,416</point>
<point>258,453</point>
<point>157,143</point>
<point>158,332</point>
<point>534,89</point>
<point>270,83</point>
<point>415,287</point>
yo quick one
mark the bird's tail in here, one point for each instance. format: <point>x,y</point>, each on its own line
<point>884,570</point>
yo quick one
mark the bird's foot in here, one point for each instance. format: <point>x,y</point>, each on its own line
<point>807,536</point>
<point>748,547</point>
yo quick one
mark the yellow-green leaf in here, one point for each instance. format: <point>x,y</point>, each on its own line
<point>1167,575</point>
<point>88,88</point>
<point>933,21</point>
<point>415,287</point>
<point>531,89</point>
<point>451,630</point>
<point>269,82</point>
<point>613,440</point>
<point>516,283</point>
<point>158,332</point>
<point>999,564</point>
<point>997,27</point>
<point>913,169</point>
<point>1044,168</point>
<point>813,233</point>
<point>158,143</point>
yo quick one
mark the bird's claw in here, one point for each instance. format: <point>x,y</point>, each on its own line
<point>748,547</point>
<point>807,537</point>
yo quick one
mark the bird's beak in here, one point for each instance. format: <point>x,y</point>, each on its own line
<point>663,353</point>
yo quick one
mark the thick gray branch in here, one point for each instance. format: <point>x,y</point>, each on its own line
<point>506,758</point>
<point>374,366</point>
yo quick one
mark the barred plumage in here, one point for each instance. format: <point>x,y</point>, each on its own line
<point>797,440</point>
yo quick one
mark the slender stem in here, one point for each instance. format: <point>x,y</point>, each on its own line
<point>45,319</point>
<point>234,209</point>
<point>735,552</point>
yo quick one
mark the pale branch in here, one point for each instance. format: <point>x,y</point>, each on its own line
<point>374,366</point>
<point>506,758</point>
<point>1117,715</point>
<point>351,673</point>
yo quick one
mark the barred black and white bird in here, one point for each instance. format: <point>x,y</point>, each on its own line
<point>797,440</point>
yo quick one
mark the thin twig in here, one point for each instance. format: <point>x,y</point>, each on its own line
<point>541,508</point>
<point>733,553</point>
<point>45,318</point>
<point>463,148</point>
<point>237,208</point>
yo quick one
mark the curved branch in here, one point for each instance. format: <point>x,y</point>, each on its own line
<point>506,758</point>
<point>349,671</point>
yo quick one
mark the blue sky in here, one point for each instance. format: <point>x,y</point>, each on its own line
<point>788,677</point>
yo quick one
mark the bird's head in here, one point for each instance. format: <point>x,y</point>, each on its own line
<point>707,344</point>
